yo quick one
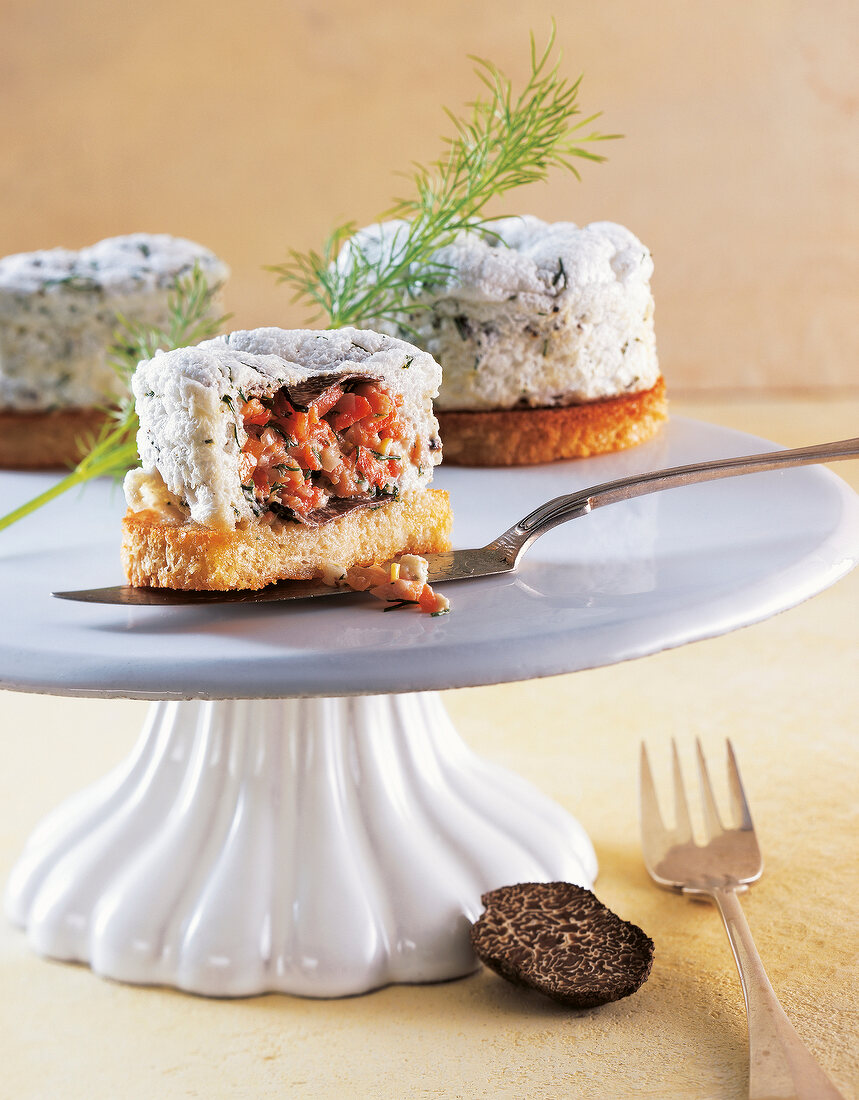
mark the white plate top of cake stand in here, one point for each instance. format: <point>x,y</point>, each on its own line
<point>628,580</point>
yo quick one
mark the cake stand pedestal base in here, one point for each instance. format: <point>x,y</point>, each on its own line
<point>320,847</point>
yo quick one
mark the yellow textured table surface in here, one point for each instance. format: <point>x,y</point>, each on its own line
<point>785,691</point>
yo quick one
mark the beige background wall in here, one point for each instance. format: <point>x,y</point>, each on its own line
<point>256,126</point>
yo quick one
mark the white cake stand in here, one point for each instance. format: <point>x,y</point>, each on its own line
<point>299,813</point>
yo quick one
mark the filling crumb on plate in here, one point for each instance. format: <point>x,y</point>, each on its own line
<point>401,582</point>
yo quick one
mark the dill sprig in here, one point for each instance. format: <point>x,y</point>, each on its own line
<point>505,141</point>
<point>112,451</point>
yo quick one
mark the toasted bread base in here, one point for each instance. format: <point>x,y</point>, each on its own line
<point>160,553</point>
<point>522,437</point>
<point>45,440</point>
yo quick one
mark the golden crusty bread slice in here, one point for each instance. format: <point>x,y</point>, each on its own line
<point>523,437</point>
<point>165,553</point>
<point>45,440</point>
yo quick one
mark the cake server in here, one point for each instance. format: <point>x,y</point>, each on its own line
<point>503,554</point>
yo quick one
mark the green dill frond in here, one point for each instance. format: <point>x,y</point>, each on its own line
<point>503,141</point>
<point>112,452</point>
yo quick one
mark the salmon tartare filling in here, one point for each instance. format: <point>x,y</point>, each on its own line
<point>344,444</point>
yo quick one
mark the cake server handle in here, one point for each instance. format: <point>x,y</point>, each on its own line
<point>515,541</point>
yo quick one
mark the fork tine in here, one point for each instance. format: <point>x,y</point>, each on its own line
<point>712,823</point>
<point>683,827</point>
<point>653,829</point>
<point>739,805</point>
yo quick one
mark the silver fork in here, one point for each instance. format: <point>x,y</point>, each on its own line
<point>780,1065</point>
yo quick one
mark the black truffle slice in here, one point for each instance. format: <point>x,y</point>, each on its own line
<point>561,940</point>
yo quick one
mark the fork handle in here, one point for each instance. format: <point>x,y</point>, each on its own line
<point>780,1065</point>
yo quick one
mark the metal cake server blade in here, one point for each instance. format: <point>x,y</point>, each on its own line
<point>453,565</point>
<point>503,554</point>
<point>172,597</point>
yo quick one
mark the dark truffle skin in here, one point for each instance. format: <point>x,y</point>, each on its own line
<point>561,940</point>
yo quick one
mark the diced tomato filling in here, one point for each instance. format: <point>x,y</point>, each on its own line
<point>346,443</point>
<point>351,408</point>
<point>254,412</point>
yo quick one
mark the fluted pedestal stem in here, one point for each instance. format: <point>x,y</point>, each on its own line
<point>315,846</point>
